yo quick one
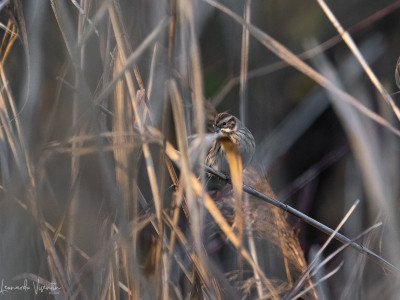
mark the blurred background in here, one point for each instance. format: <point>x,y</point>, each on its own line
<point>73,172</point>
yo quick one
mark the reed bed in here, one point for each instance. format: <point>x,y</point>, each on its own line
<point>105,114</point>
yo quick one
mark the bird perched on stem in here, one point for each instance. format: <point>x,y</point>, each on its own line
<point>231,127</point>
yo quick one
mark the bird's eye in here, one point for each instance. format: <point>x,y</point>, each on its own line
<point>223,124</point>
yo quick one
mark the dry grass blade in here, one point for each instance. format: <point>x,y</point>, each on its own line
<point>114,12</point>
<point>312,265</point>
<point>75,162</point>
<point>344,246</point>
<point>138,118</point>
<point>195,75</point>
<point>122,122</point>
<point>100,13</point>
<point>244,63</point>
<point>397,73</point>
<point>327,276</point>
<point>131,60</point>
<point>341,248</point>
<point>6,45</point>
<point>294,61</point>
<point>179,120</point>
<point>180,128</point>
<point>184,11</point>
<point>349,41</point>
<point>352,208</point>
<point>59,10</point>
<point>83,13</point>
<point>149,88</point>
<point>22,33</point>
<point>16,140</point>
<point>84,151</point>
<point>65,23</point>
<point>253,249</point>
<point>55,262</point>
<point>235,168</point>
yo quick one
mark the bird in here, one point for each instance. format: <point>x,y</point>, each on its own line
<point>230,126</point>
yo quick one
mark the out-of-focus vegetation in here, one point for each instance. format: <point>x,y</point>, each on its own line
<point>95,203</point>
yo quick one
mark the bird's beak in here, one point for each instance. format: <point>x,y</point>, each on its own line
<point>216,128</point>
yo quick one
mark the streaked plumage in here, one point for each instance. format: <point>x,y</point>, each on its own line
<point>230,126</point>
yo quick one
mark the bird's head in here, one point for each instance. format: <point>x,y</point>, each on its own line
<point>225,123</point>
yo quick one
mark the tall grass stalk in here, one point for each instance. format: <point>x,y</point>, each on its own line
<point>104,122</point>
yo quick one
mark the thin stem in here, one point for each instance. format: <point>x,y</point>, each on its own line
<point>314,223</point>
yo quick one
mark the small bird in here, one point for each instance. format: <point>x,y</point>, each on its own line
<point>231,127</point>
